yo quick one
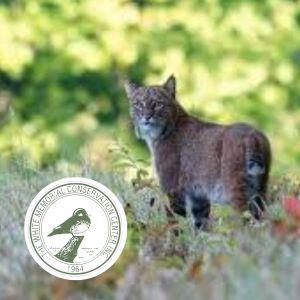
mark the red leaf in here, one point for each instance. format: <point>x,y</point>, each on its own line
<point>291,206</point>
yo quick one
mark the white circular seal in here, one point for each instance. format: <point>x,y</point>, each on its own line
<point>75,228</point>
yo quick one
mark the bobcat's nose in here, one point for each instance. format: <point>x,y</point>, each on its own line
<point>147,120</point>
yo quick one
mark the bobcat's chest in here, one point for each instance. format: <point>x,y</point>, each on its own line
<point>166,162</point>
<point>149,142</point>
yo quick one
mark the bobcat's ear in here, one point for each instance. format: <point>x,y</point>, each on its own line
<point>170,85</point>
<point>130,88</point>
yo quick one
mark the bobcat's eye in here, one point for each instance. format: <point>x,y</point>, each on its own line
<point>158,106</point>
<point>138,106</point>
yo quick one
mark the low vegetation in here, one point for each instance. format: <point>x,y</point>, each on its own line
<point>236,258</point>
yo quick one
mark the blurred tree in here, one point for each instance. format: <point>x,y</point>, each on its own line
<point>63,63</point>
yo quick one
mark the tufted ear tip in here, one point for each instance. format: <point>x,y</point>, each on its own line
<point>170,85</point>
<point>171,77</point>
<point>129,87</point>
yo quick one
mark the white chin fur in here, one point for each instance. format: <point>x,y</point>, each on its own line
<point>150,132</point>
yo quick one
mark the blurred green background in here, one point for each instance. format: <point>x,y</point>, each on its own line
<point>62,64</point>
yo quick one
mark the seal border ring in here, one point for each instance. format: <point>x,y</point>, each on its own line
<point>120,212</point>
<point>48,249</point>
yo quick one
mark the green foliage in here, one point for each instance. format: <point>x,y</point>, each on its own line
<point>62,64</point>
<point>231,260</point>
<point>124,161</point>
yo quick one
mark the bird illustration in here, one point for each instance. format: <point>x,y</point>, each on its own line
<point>77,224</point>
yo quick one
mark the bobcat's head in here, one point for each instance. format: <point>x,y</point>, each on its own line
<point>153,108</point>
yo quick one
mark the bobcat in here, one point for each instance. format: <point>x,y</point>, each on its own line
<point>199,162</point>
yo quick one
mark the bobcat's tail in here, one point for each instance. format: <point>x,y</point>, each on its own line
<point>257,163</point>
<point>257,155</point>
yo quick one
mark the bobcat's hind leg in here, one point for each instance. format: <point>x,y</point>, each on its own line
<point>256,194</point>
<point>248,192</point>
<point>235,185</point>
<point>257,206</point>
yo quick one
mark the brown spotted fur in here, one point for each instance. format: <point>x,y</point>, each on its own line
<point>198,162</point>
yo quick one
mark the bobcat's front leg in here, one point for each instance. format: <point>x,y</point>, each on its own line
<point>175,205</point>
<point>199,205</point>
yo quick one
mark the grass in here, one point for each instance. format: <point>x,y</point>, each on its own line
<point>236,258</point>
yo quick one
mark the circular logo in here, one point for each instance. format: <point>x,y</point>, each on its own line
<point>75,228</point>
